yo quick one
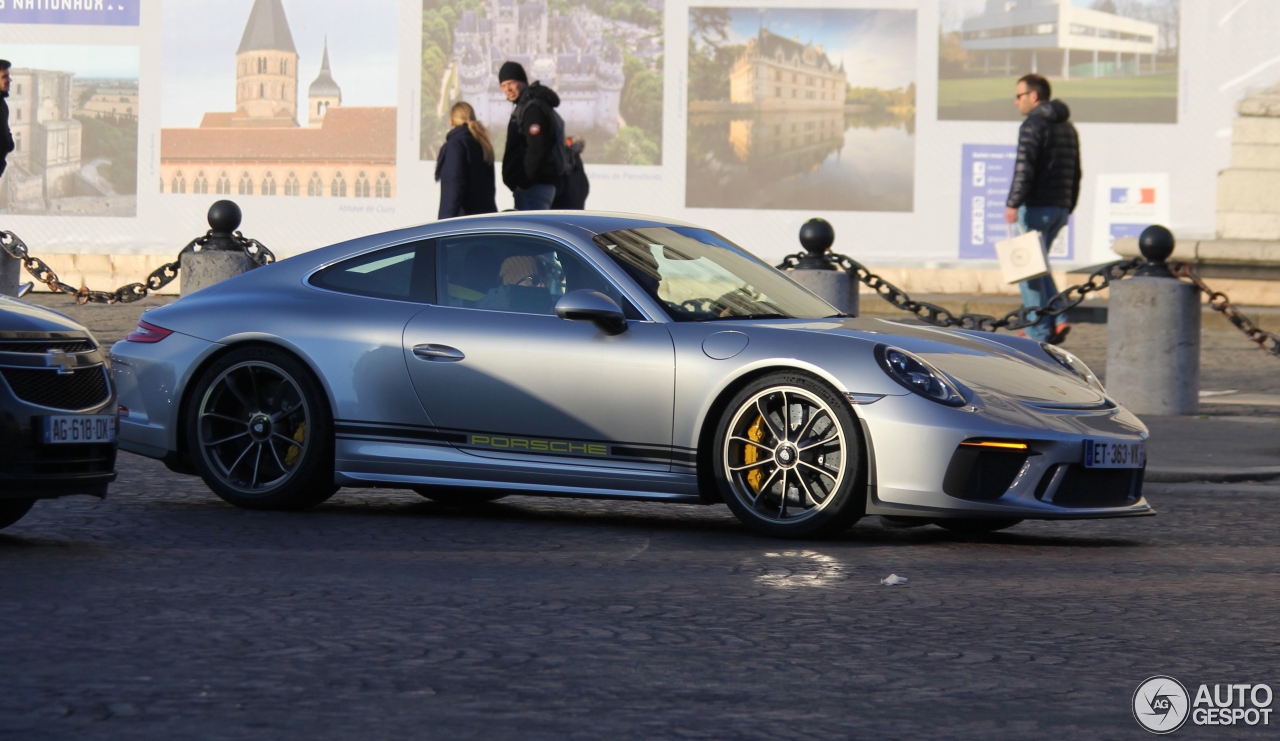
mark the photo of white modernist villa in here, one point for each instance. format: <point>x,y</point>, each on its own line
<point>1109,60</point>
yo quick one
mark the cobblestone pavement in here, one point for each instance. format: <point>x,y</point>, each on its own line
<point>162,613</point>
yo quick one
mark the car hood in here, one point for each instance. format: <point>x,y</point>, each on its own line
<point>1012,367</point>
<point>20,316</point>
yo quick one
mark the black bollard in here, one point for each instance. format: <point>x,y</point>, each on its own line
<point>1153,335</point>
<point>822,275</point>
<point>221,255</point>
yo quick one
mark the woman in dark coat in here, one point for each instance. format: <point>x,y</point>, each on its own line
<point>464,167</point>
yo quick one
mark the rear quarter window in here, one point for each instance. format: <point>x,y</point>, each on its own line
<point>404,272</point>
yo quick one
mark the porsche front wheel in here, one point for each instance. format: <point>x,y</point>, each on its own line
<point>259,431</point>
<point>788,458</point>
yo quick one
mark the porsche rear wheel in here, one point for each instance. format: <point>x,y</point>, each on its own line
<point>459,497</point>
<point>788,458</point>
<point>259,431</point>
<point>12,510</point>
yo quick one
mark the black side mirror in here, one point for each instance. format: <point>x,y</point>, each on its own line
<point>592,306</point>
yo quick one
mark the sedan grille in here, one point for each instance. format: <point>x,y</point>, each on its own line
<point>80,389</point>
<point>39,347</point>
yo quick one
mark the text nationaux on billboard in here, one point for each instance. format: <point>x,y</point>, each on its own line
<point>71,12</point>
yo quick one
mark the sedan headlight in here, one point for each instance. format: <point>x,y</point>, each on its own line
<point>1073,364</point>
<point>918,376</point>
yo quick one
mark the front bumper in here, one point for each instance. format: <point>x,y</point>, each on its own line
<point>914,444</point>
<point>30,469</point>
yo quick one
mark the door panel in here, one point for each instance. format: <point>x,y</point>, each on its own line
<point>495,365</point>
<point>542,388</point>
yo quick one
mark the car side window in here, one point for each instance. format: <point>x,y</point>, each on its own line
<point>512,272</point>
<point>402,272</point>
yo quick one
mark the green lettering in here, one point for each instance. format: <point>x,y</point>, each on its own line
<point>598,450</point>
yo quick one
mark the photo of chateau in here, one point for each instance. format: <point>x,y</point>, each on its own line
<point>793,109</point>
<point>604,60</point>
<point>278,141</point>
<point>1109,60</point>
<point>73,114</point>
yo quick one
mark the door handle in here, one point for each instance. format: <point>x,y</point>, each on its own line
<point>437,352</point>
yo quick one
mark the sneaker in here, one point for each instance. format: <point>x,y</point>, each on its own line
<point>1060,333</point>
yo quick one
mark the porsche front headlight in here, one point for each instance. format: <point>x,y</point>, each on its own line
<point>918,376</point>
<point>1073,364</point>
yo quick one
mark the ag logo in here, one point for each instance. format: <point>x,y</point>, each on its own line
<point>1160,704</point>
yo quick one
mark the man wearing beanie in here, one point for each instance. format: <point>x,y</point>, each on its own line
<point>528,164</point>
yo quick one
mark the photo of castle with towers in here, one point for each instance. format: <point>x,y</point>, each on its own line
<point>267,145</point>
<point>603,61</point>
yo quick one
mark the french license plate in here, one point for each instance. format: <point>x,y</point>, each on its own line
<point>1114,454</point>
<point>79,428</point>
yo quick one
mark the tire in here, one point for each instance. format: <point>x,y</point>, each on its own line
<point>260,433</point>
<point>977,526</point>
<point>12,510</point>
<point>758,460</point>
<point>459,497</point>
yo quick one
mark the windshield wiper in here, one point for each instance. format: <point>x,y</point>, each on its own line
<point>841,316</point>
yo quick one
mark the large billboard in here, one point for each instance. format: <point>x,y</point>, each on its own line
<point>892,119</point>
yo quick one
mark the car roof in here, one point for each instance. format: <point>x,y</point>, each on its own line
<point>597,222</point>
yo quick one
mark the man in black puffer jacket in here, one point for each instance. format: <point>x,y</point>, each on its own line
<point>528,167</point>
<point>1045,188</point>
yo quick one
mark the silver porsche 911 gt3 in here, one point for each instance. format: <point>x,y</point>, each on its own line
<point>614,356</point>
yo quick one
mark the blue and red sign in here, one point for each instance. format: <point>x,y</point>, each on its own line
<point>71,12</point>
<point>1133,195</point>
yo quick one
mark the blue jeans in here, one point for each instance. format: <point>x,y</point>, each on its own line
<point>536,197</point>
<point>1048,221</point>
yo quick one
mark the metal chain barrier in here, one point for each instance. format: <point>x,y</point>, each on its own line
<point>1218,301</point>
<point>938,316</point>
<point>162,276</point>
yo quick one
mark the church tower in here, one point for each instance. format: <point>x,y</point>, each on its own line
<point>267,66</point>
<point>323,94</point>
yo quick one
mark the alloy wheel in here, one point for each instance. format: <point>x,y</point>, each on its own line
<point>784,454</point>
<point>253,427</point>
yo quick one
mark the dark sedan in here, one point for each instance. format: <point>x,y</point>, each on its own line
<point>57,410</point>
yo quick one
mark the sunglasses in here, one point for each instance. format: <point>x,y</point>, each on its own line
<point>1019,95</point>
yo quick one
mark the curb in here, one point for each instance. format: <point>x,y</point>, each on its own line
<point>1180,475</point>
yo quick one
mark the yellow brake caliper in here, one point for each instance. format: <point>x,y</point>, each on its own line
<point>291,455</point>
<point>755,477</point>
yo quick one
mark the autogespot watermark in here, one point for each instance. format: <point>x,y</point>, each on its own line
<point>1162,704</point>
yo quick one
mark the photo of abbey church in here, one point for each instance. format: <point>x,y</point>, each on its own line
<point>276,142</point>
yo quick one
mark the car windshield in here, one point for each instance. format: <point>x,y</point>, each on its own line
<point>699,276</point>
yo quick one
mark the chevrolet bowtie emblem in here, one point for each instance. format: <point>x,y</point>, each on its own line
<point>63,361</point>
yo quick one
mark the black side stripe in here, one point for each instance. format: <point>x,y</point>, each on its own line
<point>408,433</point>
<point>376,432</point>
